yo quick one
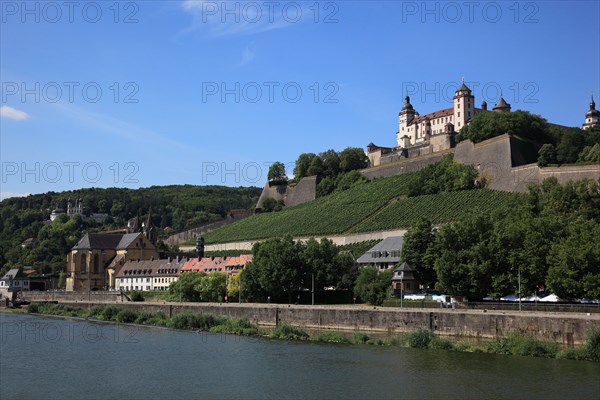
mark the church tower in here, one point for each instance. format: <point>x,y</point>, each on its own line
<point>464,106</point>
<point>405,117</point>
<point>592,117</point>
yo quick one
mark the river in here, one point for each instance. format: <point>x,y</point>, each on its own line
<point>46,358</point>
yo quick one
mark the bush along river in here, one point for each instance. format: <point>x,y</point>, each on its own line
<point>66,358</point>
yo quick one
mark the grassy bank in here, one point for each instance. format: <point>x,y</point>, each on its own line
<point>422,338</point>
<point>518,345</point>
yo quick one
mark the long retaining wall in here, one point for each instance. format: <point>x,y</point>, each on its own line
<point>565,328</point>
<point>339,240</point>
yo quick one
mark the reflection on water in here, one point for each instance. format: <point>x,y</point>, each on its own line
<point>68,359</point>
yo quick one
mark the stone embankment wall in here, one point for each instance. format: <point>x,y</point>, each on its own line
<point>93,296</point>
<point>567,329</point>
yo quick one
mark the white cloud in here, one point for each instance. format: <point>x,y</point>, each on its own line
<point>116,127</point>
<point>13,113</point>
<point>6,195</point>
<point>239,19</point>
<point>247,55</point>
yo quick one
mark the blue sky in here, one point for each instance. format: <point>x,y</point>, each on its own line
<point>142,93</point>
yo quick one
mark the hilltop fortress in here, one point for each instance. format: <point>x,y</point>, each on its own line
<point>425,139</point>
<point>434,132</point>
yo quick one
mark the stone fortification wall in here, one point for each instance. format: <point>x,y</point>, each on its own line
<point>292,195</point>
<point>495,157</point>
<point>404,165</point>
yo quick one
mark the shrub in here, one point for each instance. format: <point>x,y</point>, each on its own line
<point>420,338</point>
<point>135,295</point>
<point>572,353</point>
<point>159,319</point>
<point>238,326</point>
<point>592,346</point>
<point>109,312</point>
<point>521,345</point>
<point>144,318</point>
<point>285,331</point>
<point>360,338</point>
<point>126,316</point>
<point>33,308</point>
<point>330,337</point>
<point>441,344</point>
<point>189,320</point>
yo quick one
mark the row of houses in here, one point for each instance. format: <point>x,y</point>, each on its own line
<point>159,274</point>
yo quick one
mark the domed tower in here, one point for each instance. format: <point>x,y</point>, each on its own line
<point>464,106</point>
<point>501,105</point>
<point>592,117</point>
<point>405,117</point>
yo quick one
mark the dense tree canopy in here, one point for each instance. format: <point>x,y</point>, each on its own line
<point>419,252</point>
<point>373,286</point>
<point>487,125</point>
<point>282,266</point>
<point>177,207</point>
<point>444,176</point>
<point>277,173</point>
<point>551,241</point>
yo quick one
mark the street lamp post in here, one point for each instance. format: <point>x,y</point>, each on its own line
<point>519,279</point>
<point>401,288</point>
<point>313,288</point>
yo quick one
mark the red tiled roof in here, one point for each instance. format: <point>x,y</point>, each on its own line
<point>433,115</point>
<point>217,264</point>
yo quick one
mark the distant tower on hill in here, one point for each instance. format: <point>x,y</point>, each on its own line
<point>592,117</point>
<point>501,105</point>
<point>464,106</point>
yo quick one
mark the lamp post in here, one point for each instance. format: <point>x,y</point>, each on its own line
<point>519,279</point>
<point>401,288</point>
<point>89,274</point>
<point>312,290</point>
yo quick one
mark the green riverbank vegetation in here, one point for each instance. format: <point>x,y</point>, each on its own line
<point>521,345</point>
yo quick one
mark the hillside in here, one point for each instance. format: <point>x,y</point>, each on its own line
<point>381,204</point>
<point>174,206</point>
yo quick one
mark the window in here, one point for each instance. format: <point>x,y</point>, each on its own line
<point>96,262</point>
<point>83,263</point>
<point>459,115</point>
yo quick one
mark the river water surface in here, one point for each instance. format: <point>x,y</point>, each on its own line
<point>44,358</point>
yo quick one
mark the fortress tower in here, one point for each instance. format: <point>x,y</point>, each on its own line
<point>464,106</point>
<point>592,117</point>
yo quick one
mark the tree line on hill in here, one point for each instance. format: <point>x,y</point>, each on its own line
<point>335,170</point>
<point>552,144</point>
<point>550,242</point>
<point>177,207</point>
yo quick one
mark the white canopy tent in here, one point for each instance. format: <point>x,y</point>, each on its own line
<point>551,299</point>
